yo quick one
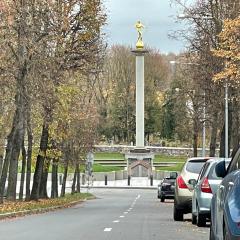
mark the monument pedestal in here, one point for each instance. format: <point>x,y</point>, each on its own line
<point>139,162</point>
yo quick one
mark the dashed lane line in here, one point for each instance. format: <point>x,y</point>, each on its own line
<point>107,229</point>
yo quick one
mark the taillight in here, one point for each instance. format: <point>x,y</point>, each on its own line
<point>181,183</point>
<point>205,187</point>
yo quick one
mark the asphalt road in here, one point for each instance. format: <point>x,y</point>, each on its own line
<point>116,214</point>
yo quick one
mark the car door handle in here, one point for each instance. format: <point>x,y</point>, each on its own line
<point>230,184</point>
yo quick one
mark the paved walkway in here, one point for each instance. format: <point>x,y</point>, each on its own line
<point>134,182</point>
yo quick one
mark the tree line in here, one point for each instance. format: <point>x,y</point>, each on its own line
<point>62,90</point>
<point>210,64</point>
<point>51,52</point>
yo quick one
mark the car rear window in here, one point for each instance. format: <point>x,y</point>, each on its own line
<point>195,166</point>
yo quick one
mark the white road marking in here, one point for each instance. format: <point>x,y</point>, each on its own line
<point>122,216</point>
<point>107,229</point>
<point>125,212</point>
<point>116,221</point>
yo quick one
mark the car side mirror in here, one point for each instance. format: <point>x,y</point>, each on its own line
<point>220,169</point>
<point>173,175</point>
<point>192,182</point>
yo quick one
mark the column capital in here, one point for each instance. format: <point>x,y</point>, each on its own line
<point>139,52</point>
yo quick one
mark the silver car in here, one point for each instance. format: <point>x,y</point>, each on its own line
<point>183,190</point>
<point>203,190</point>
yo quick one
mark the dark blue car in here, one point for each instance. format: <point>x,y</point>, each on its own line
<point>225,206</point>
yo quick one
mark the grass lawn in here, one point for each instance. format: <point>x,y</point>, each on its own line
<point>101,168</point>
<point>166,158</point>
<point>9,207</point>
<point>109,156</point>
<point>177,167</point>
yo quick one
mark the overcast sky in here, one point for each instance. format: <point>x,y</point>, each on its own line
<point>158,17</point>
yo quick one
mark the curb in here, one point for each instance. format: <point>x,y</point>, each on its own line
<point>123,187</point>
<point>41,210</point>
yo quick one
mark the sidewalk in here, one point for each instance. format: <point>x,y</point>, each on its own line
<point>135,182</point>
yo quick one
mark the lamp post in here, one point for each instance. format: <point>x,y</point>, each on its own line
<point>226,119</point>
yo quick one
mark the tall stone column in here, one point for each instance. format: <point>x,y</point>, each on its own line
<point>139,97</point>
<point>139,159</point>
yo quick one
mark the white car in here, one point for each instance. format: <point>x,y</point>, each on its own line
<point>183,190</point>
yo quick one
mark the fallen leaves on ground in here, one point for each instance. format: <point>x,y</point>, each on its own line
<point>9,206</point>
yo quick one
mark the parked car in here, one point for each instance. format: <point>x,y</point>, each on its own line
<point>166,187</point>
<point>225,206</point>
<point>203,190</point>
<point>183,191</point>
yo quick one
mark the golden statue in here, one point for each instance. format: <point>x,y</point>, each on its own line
<point>139,26</point>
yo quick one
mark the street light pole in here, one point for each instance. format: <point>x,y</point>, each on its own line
<point>226,119</point>
<point>204,127</point>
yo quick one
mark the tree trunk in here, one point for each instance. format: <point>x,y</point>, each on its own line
<point>213,139</point>
<point>44,179</point>
<point>74,182</point>
<point>78,178</point>
<point>235,132</point>
<point>54,192</point>
<point>1,164</point>
<point>40,162</point>
<point>64,179</point>
<point>222,142</point>
<point>29,157</point>
<point>23,171</point>
<point>16,143</point>
<point>5,167</point>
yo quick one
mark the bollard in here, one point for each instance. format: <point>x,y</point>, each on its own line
<point>151,180</point>
<point>105,180</point>
<point>129,180</point>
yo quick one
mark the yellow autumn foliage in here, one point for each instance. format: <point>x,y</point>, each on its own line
<point>229,52</point>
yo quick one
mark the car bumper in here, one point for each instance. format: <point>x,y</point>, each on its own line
<point>184,203</point>
<point>167,194</point>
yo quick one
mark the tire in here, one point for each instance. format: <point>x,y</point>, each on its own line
<point>194,219</point>
<point>201,219</point>
<point>162,199</point>
<point>177,214</point>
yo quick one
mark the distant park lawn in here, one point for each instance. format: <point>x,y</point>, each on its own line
<point>101,168</point>
<point>168,158</point>
<point>108,156</point>
<point>158,158</point>
<point>177,167</point>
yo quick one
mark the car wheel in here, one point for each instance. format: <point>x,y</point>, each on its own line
<point>162,199</point>
<point>177,214</point>
<point>194,219</point>
<point>201,219</point>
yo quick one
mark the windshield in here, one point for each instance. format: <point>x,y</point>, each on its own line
<point>194,166</point>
